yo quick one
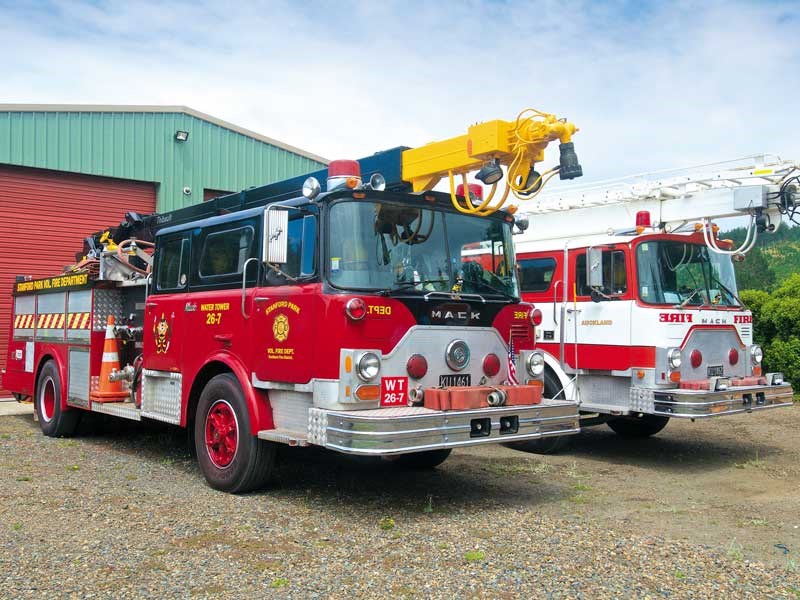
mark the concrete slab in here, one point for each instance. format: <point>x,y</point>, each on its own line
<point>12,407</point>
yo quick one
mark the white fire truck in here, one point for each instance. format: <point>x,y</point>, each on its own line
<point>641,321</point>
<point>352,318</point>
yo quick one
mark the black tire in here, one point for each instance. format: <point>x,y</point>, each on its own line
<point>553,443</point>
<point>232,460</point>
<point>638,427</point>
<point>53,420</point>
<point>420,460</point>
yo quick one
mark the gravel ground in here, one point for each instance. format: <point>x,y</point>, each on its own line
<point>125,513</point>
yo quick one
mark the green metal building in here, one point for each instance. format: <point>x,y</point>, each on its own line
<point>139,143</point>
<point>69,170</point>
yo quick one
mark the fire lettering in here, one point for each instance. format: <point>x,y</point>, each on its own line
<point>742,318</point>
<point>674,317</point>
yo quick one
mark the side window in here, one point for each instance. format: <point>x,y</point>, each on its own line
<point>172,265</point>
<point>225,252</point>
<point>536,274</point>
<point>615,277</point>
<point>301,251</point>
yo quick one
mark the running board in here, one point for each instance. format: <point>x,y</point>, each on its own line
<point>284,436</point>
<point>126,410</point>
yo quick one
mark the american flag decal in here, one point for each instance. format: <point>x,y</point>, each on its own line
<point>512,367</point>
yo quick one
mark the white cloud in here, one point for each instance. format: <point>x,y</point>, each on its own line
<point>651,86</point>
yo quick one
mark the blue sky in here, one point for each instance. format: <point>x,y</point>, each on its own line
<point>651,85</point>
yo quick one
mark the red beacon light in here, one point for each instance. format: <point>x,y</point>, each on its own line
<point>344,173</point>
<point>642,220</point>
<point>475,192</point>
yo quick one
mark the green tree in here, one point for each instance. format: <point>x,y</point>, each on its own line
<point>754,272</point>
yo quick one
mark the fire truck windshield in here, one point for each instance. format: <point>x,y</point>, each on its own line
<point>400,248</point>
<point>684,274</point>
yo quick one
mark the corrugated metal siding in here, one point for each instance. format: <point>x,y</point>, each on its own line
<point>44,216</point>
<point>142,146</point>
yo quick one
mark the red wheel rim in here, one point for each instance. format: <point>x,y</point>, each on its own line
<point>47,399</point>
<point>222,434</point>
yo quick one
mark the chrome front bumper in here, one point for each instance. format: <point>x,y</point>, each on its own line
<point>416,429</point>
<point>700,404</point>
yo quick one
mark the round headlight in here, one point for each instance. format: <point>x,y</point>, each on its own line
<point>674,358</point>
<point>368,366</point>
<point>757,354</point>
<point>535,364</point>
<point>311,188</point>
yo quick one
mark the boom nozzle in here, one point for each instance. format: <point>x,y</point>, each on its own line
<point>570,167</point>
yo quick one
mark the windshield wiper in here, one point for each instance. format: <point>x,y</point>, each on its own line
<point>403,285</point>
<point>686,300</point>
<point>490,287</point>
<point>730,293</point>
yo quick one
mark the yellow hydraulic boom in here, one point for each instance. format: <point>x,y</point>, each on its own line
<point>518,145</point>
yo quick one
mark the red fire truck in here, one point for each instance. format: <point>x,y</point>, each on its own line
<point>641,318</point>
<point>352,319</point>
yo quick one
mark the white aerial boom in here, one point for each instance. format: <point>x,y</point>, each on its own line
<point>763,187</point>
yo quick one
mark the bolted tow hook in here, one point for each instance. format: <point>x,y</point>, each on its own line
<point>496,397</point>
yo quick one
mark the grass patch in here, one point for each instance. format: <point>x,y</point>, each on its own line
<point>279,582</point>
<point>573,472</point>
<point>23,478</point>
<point>386,523</point>
<point>581,487</point>
<point>791,565</point>
<point>579,499</point>
<point>753,463</point>
<point>16,526</point>
<point>680,575</point>
<point>735,550</point>
<point>73,468</point>
<point>474,555</point>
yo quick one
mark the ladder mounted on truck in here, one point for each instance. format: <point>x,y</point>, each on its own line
<point>763,187</point>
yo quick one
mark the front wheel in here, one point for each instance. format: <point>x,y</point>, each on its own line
<point>231,458</point>
<point>420,460</point>
<point>53,419</point>
<point>551,444</point>
<point>641,426</point>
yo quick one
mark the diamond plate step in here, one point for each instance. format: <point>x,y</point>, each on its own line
<point>284,436</point>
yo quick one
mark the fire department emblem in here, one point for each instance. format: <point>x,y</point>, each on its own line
<point>280,328</point>
<point>162,333</point>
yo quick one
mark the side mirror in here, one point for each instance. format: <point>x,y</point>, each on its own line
<point>275,245</point>
<point>594,268</point>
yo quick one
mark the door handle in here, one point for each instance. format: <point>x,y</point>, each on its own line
<point>260,299</point>
<point>151,304</point>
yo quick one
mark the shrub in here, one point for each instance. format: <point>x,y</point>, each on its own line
<point>776,326</point>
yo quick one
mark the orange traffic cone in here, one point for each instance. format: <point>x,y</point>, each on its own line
<point>109,391</point>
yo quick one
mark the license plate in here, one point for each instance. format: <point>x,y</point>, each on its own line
<point>715,371</point>
<point>455,380</point>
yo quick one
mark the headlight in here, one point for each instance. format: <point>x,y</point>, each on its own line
<point>368,366</point>
<point>674,358</point>
<point>535,364</point>
<point>757,354</point>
